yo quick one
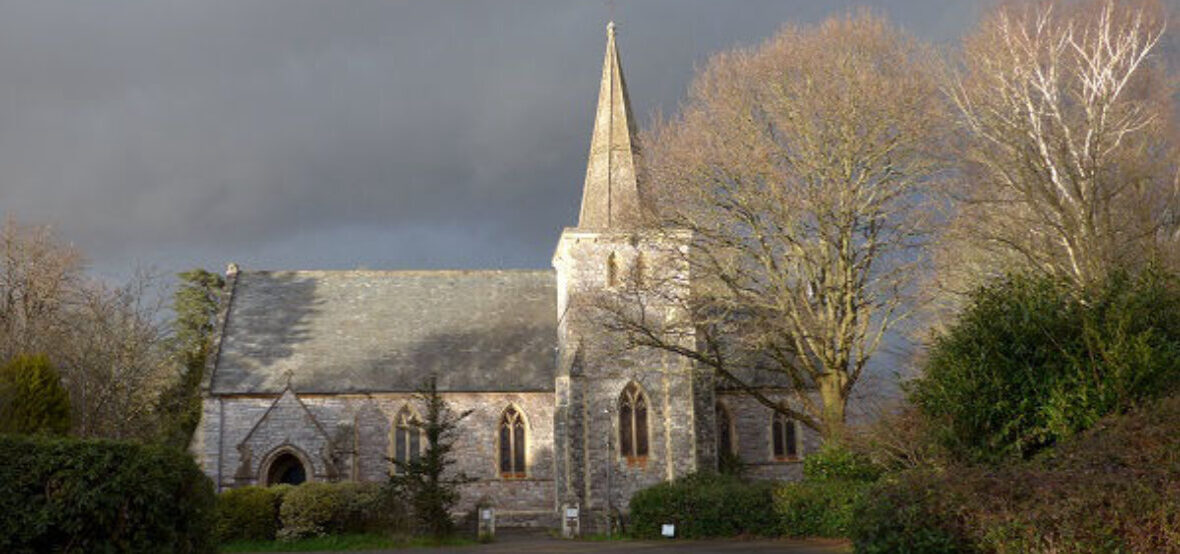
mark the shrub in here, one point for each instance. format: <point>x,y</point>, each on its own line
<point>914,512</point>
<point>372,508</point>
<point>247,513</point>
<point>834,462</point>
<point>817,508</point>
<point>318,509</point>
<point>311,510</point>
<point>68,495</point>
<point>1111,489</point>
<point>1031,361</point>
<point>32,399</point>
<point>705,505</point>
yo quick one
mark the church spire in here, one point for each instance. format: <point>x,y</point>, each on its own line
<point>610,198</point>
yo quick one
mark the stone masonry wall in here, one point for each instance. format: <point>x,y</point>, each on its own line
<point>596,365</point>
<point>752,437</point>
<point>361,425</point>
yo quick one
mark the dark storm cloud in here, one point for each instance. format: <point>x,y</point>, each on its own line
<point>391,133</point>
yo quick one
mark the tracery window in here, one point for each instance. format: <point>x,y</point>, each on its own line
<point>512,444</point>
<point>784,437</point>
<point>724,431</point>
<point>633,423</point>
<point>407,439</point>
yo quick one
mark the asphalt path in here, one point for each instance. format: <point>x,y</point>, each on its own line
<point>535,542</point>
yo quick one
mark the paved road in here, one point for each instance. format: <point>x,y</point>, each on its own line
<point>528,543</point>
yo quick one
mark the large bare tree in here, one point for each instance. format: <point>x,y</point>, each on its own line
<point>106,342</point>
<point>797,168</point>
<point>1067,152</point>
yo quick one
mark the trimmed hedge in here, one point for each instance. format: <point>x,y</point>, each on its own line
<point>247,514</point>
<point>318,509</point>
<point>705,505</point>
<point>818,508</point>
<point>69,495</point>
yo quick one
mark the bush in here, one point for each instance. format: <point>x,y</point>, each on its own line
<point>915,512</point>
<point>1031,361</point>
<point>318,509</point>
<point>818,508</point>
<point>32,399</point>
<point>372,508</point>
<point>705,505</point>
<point>311,510</point>
<point>247,513</point>
<point>1111,489</point>
<point>839,463</point>
<point>68,495</point>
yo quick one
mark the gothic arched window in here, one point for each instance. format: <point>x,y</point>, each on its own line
<point>512,444</point>
<point>407,439</point>
<point>724,431</point>
<point>633,423</point>
<point>784,437</point>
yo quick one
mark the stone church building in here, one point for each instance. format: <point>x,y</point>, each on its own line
<point>313,373</point>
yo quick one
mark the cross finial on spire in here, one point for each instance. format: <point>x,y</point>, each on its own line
<point>610,198</point>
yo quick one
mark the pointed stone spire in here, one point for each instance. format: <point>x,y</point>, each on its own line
<point>610,198</point>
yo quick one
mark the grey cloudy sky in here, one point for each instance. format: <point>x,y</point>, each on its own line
<point>340,133</point>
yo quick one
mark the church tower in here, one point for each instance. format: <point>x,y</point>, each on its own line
<point>625,418</point>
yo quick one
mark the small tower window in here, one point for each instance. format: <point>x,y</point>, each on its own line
<point>633,423</point>
<point>612,270</point>
<point>785,437</point>
<point>407,440</point>
<point>512,444</point>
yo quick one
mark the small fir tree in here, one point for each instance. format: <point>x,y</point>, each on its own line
<point>425,480</point>
<point>32,398</point>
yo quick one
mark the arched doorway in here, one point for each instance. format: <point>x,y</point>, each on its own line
<point>286,468</point>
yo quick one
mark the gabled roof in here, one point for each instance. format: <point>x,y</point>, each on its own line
<point>379,331</point>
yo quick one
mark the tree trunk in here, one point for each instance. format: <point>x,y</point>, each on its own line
<point>831,392</point>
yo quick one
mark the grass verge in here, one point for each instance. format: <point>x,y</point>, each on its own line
<point>340,542</point>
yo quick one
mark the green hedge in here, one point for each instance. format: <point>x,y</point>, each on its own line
<point>68,495</point>
<point>247,513</point>
<point>319,509</point>
<point>818,508</point>
<point>1031,362</point>
<point>837,463</point>
<point>915,512</point>
<point>705,505</point>
<point>1112,489</point>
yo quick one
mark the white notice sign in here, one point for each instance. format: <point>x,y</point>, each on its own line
<point>571,513</point>
<point>668,530</point>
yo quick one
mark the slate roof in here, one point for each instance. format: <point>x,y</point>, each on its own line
<point>382,331</point>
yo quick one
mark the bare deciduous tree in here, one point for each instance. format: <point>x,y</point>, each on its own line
<point>798,169</point>
<point>1068,157</point>
<point>107,343</point>
<point>115,359</point>
<point>38,276</point>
